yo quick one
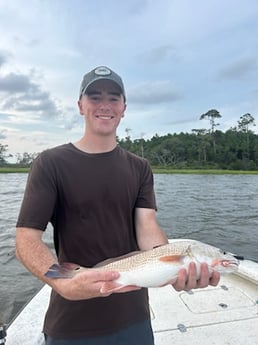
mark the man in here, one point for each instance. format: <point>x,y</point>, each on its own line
<point>100,201</point>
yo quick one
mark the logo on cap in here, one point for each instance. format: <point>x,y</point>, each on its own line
<point>102,71</point>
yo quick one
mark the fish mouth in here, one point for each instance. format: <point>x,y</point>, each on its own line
<point>233,263</point>
<point>238,257</point>
<point>229,263</point>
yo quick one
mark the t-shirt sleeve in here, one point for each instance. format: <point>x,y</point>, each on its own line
<point>146,197</point>
<point>40,195</point>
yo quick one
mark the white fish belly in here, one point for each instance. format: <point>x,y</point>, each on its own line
<point>149,276</point>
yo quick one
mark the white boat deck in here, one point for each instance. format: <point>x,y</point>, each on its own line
<point>26,329</point>
<point>227,314</point>
<point>223,315</point>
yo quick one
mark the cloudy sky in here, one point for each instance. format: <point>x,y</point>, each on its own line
<point>178,59</point>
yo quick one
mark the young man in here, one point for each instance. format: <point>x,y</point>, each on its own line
<point>100,201</point>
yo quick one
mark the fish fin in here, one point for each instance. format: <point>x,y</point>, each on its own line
<point>109,261</point>
<point>172,258</point>
<point>65,270</point>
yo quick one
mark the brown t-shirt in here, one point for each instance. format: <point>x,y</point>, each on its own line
<point>90,200</point>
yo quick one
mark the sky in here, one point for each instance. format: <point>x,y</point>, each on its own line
<point>177,58</point>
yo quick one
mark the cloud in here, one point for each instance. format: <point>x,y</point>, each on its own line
<point>2,58</point>
<point>153,92</point>
<point>74,122</point>
<point>3,134</point>
<point>238,69</point>
<point>158,54</point>
<point>29,43</point>
<point>22,94</point>
<point>39,103</point>
<point>15,83</point>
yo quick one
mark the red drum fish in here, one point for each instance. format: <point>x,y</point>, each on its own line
<point>156,267</point>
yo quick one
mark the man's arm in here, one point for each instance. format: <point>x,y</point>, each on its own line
<point>33,252</point>
<point>149,235</point>
<point>148,232</point>
<point>37,258</point>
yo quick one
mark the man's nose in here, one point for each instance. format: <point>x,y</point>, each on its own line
<point>104,104</point>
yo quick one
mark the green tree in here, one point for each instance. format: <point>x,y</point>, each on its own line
<point>3,154</point>
<point>203,143</point>
<point>212,115</point>
<point>25,159</point>
<point>244,124</point>
<point>126,143</point>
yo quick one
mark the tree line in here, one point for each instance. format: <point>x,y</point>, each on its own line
<point>234,149</point>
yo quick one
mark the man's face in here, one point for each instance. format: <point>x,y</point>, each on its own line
<point>103,107</point>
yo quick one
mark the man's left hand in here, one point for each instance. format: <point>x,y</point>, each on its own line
<point>188,281</point>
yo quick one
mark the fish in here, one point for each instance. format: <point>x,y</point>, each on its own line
<point>156,267</point>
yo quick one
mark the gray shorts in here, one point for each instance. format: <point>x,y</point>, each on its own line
<point>137,334</point>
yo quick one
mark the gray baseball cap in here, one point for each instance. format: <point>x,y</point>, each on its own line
<point>98,73</point>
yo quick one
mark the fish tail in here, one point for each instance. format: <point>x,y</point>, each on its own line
<point>65,270</point>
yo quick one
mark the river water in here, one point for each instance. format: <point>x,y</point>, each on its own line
<point>218,209</point>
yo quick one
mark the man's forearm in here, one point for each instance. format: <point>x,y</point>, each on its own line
<point>33,252</point>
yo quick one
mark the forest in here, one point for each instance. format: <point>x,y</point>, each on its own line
<point>234,149</point>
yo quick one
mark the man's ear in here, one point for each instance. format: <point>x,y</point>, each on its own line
<point>80,107</point>
<point>125,106</point>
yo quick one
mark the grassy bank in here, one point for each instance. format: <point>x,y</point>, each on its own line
<point>158,170</point>
<point>7,170</point>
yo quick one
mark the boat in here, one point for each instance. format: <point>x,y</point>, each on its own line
<point>225,314</point>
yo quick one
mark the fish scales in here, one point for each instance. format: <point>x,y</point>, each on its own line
<point>150,257</point>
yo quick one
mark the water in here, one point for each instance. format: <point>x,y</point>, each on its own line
<point>17,286</point>
<point>217,209</point>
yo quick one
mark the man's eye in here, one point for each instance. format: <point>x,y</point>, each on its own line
<point>95,98</point>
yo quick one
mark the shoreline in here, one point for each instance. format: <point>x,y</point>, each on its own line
<point>158,170</point>
<point>204,171</point>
